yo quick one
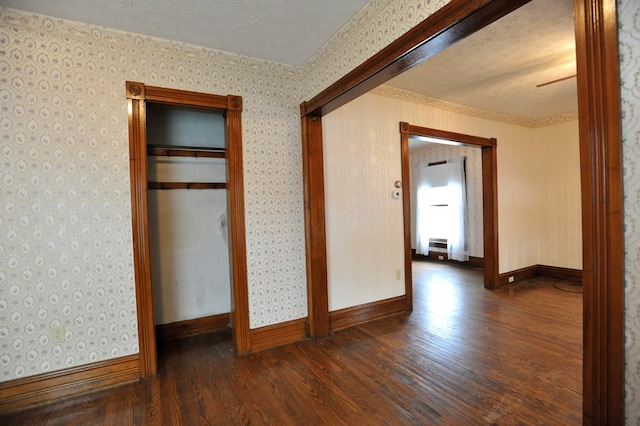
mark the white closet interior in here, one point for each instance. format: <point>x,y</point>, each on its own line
<point>187,204</point>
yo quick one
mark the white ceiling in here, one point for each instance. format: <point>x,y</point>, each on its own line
<point>495,69</point>
<point>284,31</point>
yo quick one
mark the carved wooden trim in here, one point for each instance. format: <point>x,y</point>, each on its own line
<point>361,314</point>
<point>140,234</point>
<point>234,103</point>
<point>45,388</point>
<point>602,210</point>
<point>135,90</point>
<point>180,329</point>
<point>278,334</point>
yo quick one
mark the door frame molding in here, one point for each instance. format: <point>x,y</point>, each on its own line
<point>488,148</point>
<point>598,80</point>
<point>137,95</point>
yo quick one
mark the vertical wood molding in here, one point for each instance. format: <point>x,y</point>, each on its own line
<point>406,215</point>
<point>602,210</point>
<point>490,217</point>
<point>237,234</point>
<point>315,228</point>
<point>140,228</point>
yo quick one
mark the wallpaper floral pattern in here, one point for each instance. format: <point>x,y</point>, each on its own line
<point>629,41</point>
<point>65,213</point>
<point>65,244</point>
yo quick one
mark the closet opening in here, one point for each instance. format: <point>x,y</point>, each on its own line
<point>188,217</point>
<point>187,210</point>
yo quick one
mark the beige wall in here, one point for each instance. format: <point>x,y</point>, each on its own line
<point>559,212</point>
<point>65,242</point>
<point>362,160</point>
<point>364,223</point>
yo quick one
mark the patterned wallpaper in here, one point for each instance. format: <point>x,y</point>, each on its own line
<point>433,153</point>
<point>65,240</point>
<point>375,26</point>
<point>629,41</point>
<point>65,174</point>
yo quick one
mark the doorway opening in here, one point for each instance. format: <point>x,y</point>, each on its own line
<point>489,180</point>
<point>601,165</point>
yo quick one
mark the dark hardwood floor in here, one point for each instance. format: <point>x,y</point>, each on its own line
<point>465,356</point>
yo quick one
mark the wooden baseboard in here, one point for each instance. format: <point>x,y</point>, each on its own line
<point>277,334</point>
<point>477,262</point>
<point>355,315</point>
<point>540,271</point>
<point>180,329</point>
<point>560,273</point>
<point>45,388</point>
<point>518,275</point>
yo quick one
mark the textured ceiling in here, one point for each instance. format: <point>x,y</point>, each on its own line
<point>284,31</point>
<point>497,69</point>
<point>494,70</point>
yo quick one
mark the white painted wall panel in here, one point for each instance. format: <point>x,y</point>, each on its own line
<point>364,223</point>
<point>560,211</point>
<point>189,255</point>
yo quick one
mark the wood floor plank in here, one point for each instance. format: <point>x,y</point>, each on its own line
<point>465,356</point>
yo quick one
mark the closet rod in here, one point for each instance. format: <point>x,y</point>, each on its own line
<point>185,151</point>
<point>187,185</point>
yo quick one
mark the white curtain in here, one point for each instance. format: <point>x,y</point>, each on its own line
<point>422,211</point>
<point>457,246</point>
<point>451,175</point>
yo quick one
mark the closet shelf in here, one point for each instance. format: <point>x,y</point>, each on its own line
<point>185,151</point>
<point>187,185</point>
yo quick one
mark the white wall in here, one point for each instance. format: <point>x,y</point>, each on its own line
<point>364,223</point>
<point>559,215</point>
<point>188,240</point>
